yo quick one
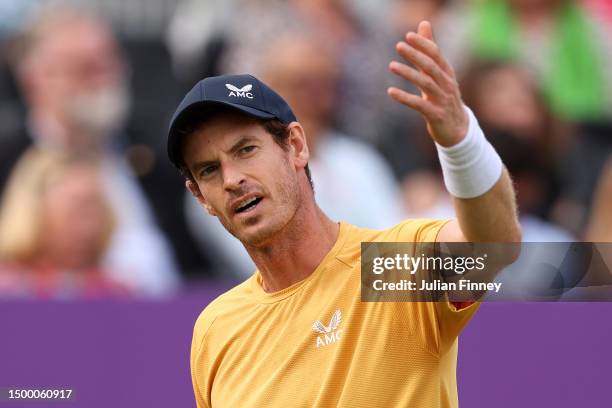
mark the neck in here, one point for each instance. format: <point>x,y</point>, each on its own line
<point>297,250</point>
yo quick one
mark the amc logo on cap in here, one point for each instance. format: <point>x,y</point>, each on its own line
<point>243,92</point>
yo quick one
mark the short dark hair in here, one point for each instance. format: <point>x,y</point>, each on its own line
<point>198,117</point>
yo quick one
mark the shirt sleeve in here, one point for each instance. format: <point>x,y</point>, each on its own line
<point>419,230</point>
<point>442,321</point>
<point>452,320</point>
<point>199,371</point>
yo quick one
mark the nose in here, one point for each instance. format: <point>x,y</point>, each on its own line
<point>232,177</point>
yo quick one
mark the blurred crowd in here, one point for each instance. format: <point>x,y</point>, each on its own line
<point>91,207</point>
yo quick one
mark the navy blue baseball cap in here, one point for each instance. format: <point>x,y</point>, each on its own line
<point>243,93</point>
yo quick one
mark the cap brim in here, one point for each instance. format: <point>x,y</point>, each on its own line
<point>185,116</point>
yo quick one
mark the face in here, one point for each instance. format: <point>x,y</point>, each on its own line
<point>76,73</point>
<point>506,99</point>
<point>244,178</point>
<point>407,14</point>
<point>74,240</point>
<point>304,72</point>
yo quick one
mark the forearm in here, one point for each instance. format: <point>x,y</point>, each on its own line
<point>473,172</point>
<point>491,217</point>
<point>482,190</point>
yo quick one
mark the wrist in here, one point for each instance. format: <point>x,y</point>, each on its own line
<point>460,134</point>
<point>472,166</point>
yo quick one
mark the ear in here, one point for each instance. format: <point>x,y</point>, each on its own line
<point>298,145</point>
<point>194,189</point>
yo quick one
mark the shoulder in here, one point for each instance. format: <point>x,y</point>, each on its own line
<point>417,230</point>
<point>227,303</point>
<point>410,230</point>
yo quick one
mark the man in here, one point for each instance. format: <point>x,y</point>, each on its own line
<point>75,84</point>
<point>263,343</point>
<point>364,195</point>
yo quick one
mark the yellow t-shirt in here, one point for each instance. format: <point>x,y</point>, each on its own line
<point>315,344</point>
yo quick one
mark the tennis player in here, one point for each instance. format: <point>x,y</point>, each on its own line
<point>296,333</point>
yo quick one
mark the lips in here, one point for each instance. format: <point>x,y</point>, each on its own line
<point>245,203</point>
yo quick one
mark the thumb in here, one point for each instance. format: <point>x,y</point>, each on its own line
<point>425,30</point>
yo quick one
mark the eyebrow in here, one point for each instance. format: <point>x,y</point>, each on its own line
<point>235,147</point>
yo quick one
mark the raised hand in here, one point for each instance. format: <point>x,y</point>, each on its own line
<point>440,100</point>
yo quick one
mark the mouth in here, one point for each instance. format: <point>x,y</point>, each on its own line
<point>247,205</point>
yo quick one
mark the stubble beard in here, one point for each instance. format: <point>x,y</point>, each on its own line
<point>275,220</point>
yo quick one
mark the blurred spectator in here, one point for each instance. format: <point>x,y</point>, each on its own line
<point>581,169</point>
<point>600,223</point>
<point>404,139</point>
<point>405,15</point>
<point>569,50</point>
<point>197,37</point>
<point>599,228</point>
<point>55,225</point>
<point>352,181</point>
<point>75,84</point>
<point>516,121</point>
<point>359,46</point>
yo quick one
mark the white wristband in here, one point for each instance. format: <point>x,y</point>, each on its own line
<point>472,166</point>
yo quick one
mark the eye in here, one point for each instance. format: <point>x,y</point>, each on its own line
<point>247,149</point>
<point>208,170</point>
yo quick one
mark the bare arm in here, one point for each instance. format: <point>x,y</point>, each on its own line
<point>491,217</point>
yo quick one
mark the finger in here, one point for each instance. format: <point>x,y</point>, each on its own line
<point>412,101</point>
<point>431,49</point>
<point>424,82</point>
<point>426,30</point>
<point>423,62</point>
